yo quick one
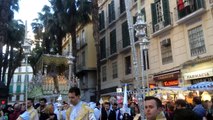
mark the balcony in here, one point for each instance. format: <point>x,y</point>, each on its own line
<point>162,26</point>
<point>183,14</point>
<point>80,67</point>
<point>111,52</point>
<point>123,46</point>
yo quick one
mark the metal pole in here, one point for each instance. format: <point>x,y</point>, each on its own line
<point>134,56</point>
<point>26,80</point>
<point>143,80</point>
<point>70,74</point>
<point>146,63</point>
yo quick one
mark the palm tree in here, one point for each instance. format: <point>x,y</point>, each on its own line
<point>70,14</point>
<point>95,21</point>
<point>6,15</point>
<point>16,34</point>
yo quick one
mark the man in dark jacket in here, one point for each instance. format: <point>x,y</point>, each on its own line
<point>183,113</point>
<point>199,109</point>
<point>106,113</point>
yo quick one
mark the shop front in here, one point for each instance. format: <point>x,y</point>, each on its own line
<point>167,79</point>
<point>204,75</point>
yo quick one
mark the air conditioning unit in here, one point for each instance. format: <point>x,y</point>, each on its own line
<point>166,42</point>
<point>159,26</point>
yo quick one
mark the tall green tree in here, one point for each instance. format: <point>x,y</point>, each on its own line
<point>14,52</point>
<point>6,15</point>
<point>71,14</point>
<point>11,35</point>
<point>95,21</point>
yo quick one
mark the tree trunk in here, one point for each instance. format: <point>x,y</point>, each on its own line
<point>74,51</point>
<point>5,64</point>
<point>4,17</point>
<point>73,22</point>
<point>95,21</point>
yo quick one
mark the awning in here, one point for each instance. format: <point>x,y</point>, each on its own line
<point>201,86</point>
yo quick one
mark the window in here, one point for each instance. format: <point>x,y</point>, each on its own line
<point>113,46</point>
<point>103,48</point>
<point>166,51</point>
<point>104,72</point>
<point>196,41</point>
<point>187,7</point>
<point>78,42</point>
<point>111,11</point>
<point>159,11</point>
<point>17,97</point>
<point>160,14</point>
<point>19,79</point>
<point>127,65</point>
<point>101,20</point>
<point>27,77</point>
<point>122,6</point>
<point>83,37</point>
<point>125,34</point>
<point>83,58</point>
<point>18,89</point>
<point>114,70</point>
<point>11,89</point>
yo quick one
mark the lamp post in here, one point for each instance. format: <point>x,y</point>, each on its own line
<point>139,26</point>
<point>70,62</point>
<point>60,107</point>
<point>26,49</point>
<point>26,46</point>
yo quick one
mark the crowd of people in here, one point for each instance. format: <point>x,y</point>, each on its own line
<point>79,110</point>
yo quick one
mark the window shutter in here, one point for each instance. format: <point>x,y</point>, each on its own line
<point>102,20</point>
<point>113,41</point>
<point>166,12</point>
<point>154,15</point>
<point>11,89</point>
<point>103,48</point>
<point>113,10</point>
<point>109,12</point>
<point>125,34</point>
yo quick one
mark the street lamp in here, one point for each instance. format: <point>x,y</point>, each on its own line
<point>26,48</point>
<point>70,62</point>
<point>139,26</point>
<point>60,107</point>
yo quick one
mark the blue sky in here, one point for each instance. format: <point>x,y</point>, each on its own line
<point>28,10</point>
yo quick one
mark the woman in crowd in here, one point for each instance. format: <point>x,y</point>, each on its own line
<point>137,115</point>
<point>48,113</point>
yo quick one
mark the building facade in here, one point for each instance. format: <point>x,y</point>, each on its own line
<point>180,35</point>
<point>17,87</point>
<point>181,41</point>
<point>115,47</point>
<point>85,60</point>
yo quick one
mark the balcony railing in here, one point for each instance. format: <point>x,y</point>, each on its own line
<point>162,26</point>
<point>186,11</point>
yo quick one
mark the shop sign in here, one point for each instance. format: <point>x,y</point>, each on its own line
<point>198,74</point>
<point>118,90</point>
<point>171,83</point>
<point>152,85</point>
<point>209,79</point>
<point>168,76</point>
